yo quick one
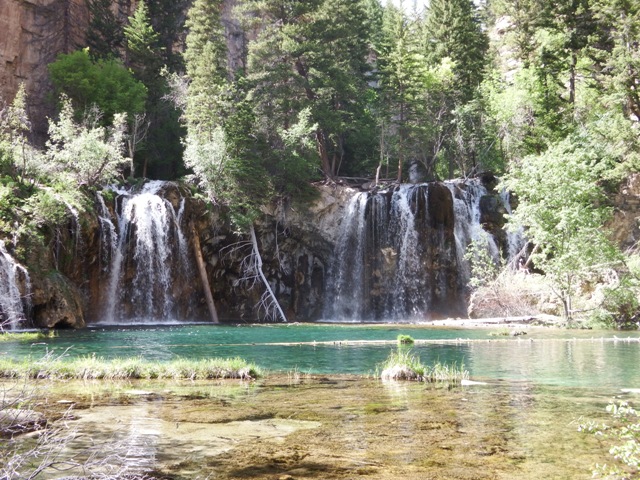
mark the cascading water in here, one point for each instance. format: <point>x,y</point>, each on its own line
<point>384,265</point>
<point>468,228</point>
<point>146,267</point>
<point>515,238</point>
<point>14,306</point>
<point>400,253</point>
<point>108,235</point>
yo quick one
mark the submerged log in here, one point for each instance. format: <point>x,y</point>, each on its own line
<point>203,275</point>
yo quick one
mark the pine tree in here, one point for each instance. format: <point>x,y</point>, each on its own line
<point>206,59</point>
<point>14,130</point>
<point>311,55</point>
<point>452,30</point>
<point>143,53</point>
<point>402,74</point>
<point>618,52</point>
<point>105,36</point>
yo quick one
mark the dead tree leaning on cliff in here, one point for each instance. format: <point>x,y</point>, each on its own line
<point>268,302</point>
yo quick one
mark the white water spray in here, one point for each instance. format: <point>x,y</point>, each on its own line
<point>13,305</point>
<point>144,262</point>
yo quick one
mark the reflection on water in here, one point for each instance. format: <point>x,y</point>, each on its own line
<point>315,423</point>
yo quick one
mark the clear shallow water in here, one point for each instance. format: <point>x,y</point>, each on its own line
<point>543,357</point>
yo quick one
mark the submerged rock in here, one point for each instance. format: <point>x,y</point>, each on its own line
<point>14,421</point>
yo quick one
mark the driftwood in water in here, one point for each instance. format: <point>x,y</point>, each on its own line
<point>203,275</point>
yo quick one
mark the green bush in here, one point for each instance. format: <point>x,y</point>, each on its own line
<point>623,436</point>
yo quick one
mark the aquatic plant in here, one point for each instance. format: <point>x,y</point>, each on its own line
<point>96,368</point>
<point>25,336</point>
<point>624,437</point>
<point>405,339</point>
<point>402,364</point>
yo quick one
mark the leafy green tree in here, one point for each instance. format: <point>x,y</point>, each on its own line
<point>14,130</point>
<point>104,83</point>
<point>561,206</point>
<point>87,152</point>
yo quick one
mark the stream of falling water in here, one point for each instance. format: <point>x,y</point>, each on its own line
<point>393,262</point>
<point>13,304</point>
<point>144,261</point>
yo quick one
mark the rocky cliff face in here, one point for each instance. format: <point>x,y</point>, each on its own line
<point>32,34</point>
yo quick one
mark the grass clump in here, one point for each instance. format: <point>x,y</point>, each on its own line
<point>96,368</point>
<point>405,339</point>
<point>404,365</point>
<point>25,336</point>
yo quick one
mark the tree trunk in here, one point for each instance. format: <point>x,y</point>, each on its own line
<point>203,275</point>
<point>321,144</point>
<point>256,252</point>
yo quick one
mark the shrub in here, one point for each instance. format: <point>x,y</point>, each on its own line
<point>624,437</point>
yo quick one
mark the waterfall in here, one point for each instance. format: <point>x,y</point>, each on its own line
<point>108,235</point>
<point>14,306</point>
<point>515,238</point>
<point>466,203</point>
<point>384,253</point>
<point>146,266</point>
<point>400,253</point>
<point>347,294</point>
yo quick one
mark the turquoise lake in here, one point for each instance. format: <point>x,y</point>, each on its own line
<point>594,359</point>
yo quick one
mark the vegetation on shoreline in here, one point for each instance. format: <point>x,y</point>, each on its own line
<point>25,336</point>
<point>403,364</point>
<point>96,368</point>
<point>622,433</point>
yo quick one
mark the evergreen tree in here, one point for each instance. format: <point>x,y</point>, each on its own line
<point>14,130</point>
<point>618,54</point>
<point>167,18</point>
<point>311,55</point>
<point>452,30</point>
<point>403,76</point>
<point>105,36</point>
<point>143,52</point>
<point>205,58</point>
